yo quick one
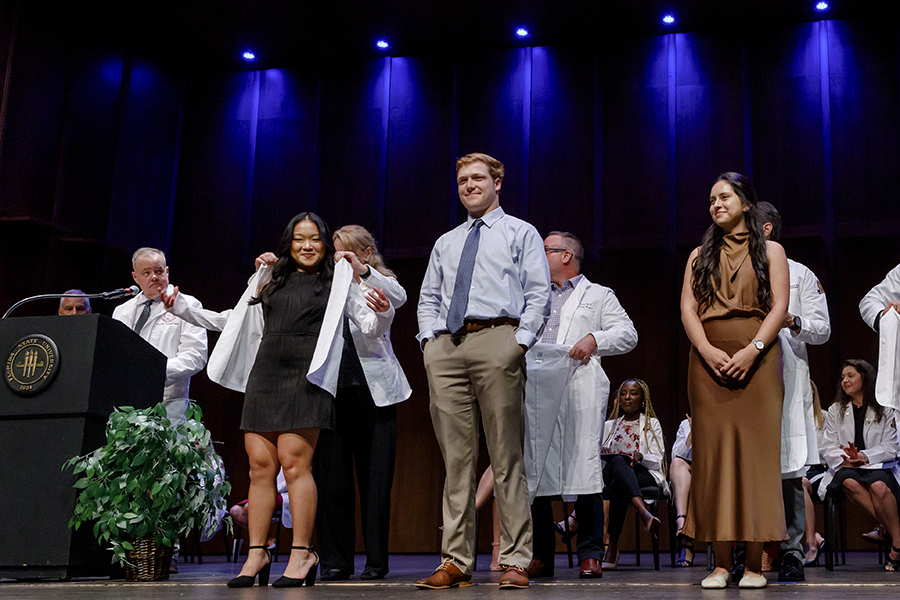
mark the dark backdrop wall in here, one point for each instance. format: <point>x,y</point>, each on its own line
<point>104,148</point>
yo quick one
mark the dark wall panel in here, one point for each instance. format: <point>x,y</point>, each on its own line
<point>635,138</point>
<point>88,149</point>
<point>709,125</point>
<point>284,161</point>
<point>35,100</point>
<point>788,152</point>
<point>562,143</point>
<point>865,93</point>
<point>492,120</point>
<point>354,144</point>
<point>212,213</point>
<point>144,177</point>
<point>420,171</point>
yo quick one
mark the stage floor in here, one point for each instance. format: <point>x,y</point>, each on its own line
<point>861,577</point>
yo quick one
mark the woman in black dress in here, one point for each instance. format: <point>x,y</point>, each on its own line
<point>283,411</point>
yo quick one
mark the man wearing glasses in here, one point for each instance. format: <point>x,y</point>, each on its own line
<point>588,318</point>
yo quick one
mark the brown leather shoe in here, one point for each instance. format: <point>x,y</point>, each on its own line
<point>513,578</point>
<point>539,569</point>
<point>445,576</point>
<point>590,569</point>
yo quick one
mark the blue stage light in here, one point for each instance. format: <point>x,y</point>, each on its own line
<point>382,44</point>
<point>248,56</point>
<point>668,19</point>
<point>522,32</point>
<point>822,6</point>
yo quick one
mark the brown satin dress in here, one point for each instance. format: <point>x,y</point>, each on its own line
<point>736,469</point>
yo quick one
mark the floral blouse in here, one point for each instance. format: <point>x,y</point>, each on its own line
<point>625,437</point>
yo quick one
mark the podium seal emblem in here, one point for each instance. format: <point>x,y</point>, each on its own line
<point>31,365</point>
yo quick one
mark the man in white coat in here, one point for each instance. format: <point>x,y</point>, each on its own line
<point>589,318</point>
<point>807,322</point>
<point>183,344</point>
<point>881,299</point>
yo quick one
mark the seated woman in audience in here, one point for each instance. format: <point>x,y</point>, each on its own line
<point>633,457</point>
<point>860,439</point>
<point>680,477</point>
<point>812,539</point>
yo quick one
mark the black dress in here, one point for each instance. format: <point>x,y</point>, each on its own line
<point>279,397</point>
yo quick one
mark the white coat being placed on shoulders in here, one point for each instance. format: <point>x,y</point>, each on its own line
<point>242,328</point>
<point>572,464</point>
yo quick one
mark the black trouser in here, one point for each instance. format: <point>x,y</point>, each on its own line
<point>623,482</point>
<point>367,436</point>
<point>589,511</point>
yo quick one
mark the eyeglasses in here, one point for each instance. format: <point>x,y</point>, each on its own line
<point>548,250</point>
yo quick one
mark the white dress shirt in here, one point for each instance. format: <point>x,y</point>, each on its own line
<point>511,277</point>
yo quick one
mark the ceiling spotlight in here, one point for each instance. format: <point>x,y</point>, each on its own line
<point>822,6</point>
<point>382,44</point>
<point>668,19</point>
<point>522,32</point>
<point>248,56</point>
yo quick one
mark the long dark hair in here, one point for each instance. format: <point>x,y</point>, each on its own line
<point>706,265</point>
<point>867,372</point>
<point>285,265</point>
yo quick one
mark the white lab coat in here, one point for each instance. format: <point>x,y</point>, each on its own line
<point>651,446</point>
<point>887,382</point>
<point>573,464</point>
<point>242,328</point>
<point>385,377</point>
<point>680,447</point>
<point>183,343</point>
<point>882,443</point>
<point>798,427</point>
<point>879,296</point>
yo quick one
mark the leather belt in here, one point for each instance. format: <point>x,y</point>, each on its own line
<point>473,325</point>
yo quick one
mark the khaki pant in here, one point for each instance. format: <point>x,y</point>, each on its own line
<point>483,377</point>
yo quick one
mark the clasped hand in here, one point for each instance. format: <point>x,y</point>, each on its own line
<point>731,367</point>
<point>852,456</point>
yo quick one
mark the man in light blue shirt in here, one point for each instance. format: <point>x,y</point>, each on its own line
<point>483,303</point>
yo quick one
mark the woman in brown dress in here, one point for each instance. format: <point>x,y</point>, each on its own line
<point>733,302</point>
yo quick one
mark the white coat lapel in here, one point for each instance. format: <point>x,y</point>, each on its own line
<point>568,310</point>
<point>326,361</point>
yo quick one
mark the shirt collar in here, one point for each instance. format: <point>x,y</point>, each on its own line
<point>568,283</point>
<point>488,218</point>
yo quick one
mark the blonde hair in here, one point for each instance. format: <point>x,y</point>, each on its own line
<point>648,411</point>
<point>495,167</point>
<point>356,239</point>
<point>818,413</point>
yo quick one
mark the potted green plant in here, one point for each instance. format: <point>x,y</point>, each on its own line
<point>150,483</point>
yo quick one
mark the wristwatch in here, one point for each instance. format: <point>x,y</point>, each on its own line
<point>760,345</point>
<point>367,273</point>
<point>796,326</point>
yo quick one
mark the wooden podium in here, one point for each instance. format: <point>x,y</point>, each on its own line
<point>96,364</point>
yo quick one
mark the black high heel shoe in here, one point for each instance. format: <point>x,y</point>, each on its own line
<point>310,580</point>
<point>245,581</point>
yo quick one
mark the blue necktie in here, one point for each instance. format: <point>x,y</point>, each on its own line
<point>460,302</point>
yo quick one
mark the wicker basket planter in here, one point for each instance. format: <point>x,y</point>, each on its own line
<point>150,483</point>
<point>151,561</point>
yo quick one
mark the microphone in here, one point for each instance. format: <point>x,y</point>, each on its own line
<point>121,293</point>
